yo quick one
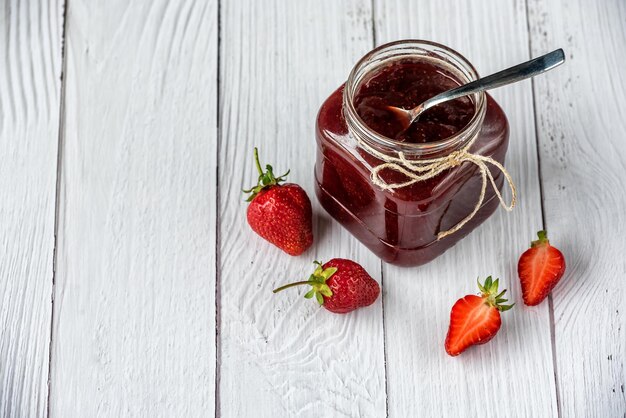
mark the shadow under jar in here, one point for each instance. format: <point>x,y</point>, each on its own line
<point>401,225</point>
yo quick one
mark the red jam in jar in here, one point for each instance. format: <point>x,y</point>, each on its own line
<point>402,225</point>
<point>405,84</point>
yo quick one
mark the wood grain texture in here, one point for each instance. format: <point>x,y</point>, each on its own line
<point>30,69</point>
<point>139,214</point>
<point>515,369</point>
<point>582,131</point>
<point>282,355</point>
<point>134,300</point>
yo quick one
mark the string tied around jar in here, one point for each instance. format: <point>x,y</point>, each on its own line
<point>420,170</point>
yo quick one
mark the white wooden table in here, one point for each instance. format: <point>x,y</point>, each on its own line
<point>131,285</point>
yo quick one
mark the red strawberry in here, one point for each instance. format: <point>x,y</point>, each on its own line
<point>280,213</point>
<point>340,286</point>
<point>475,319</point>
<point>540,268</point>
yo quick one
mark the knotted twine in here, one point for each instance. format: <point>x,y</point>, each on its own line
<point>420,170</point>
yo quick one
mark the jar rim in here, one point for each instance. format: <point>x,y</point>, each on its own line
<point>443,57</point>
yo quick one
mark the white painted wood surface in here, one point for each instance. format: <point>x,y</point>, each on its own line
<point>134,312</point>
<point>161,289</point>
<point>280,354</point>
<point>30,69</point>
<point>582,136</point>
<point>516,365</point>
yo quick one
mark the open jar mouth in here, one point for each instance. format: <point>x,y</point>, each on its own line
<point>436,54</point>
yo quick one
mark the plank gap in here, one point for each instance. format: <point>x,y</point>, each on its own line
<point>218,258</point>
<point>543,216</point>
<point>532,82</point>
<point>57,195</point>
<point>382,308</point>
<point>374,41</point>
<point>382,274</point>
<point>553,346</point>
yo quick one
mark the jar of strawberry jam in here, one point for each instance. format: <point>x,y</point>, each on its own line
<point>409,195</point>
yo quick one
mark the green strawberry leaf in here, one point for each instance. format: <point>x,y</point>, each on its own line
<point>328,272</point>
<point>266,178</point>
<point>317,281</point>
<point>490,295</point>
<point>325,290</point>
<point>319,297</point>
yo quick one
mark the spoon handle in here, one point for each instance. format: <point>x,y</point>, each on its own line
<point>510,75</point>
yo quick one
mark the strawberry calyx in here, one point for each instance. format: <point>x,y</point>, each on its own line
<point>489,293</point>
<point>317,281</point>
<point>543,240</point>
<point>266,178</point>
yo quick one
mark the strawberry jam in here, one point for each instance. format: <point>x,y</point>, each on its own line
<point>402,225</point>
<point>406,84</point>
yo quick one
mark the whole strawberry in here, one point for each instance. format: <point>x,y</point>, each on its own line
<point>281,214</point>
<point>540,268</point>
<point>340,286</point>
<point>475,319</point>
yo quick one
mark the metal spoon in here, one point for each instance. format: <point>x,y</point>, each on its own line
<point>510,75</point>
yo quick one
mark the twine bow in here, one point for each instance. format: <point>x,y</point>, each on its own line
<point>420,170</point>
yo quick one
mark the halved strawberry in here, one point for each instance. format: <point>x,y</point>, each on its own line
<point>540,268</point>
<point>475,319</point>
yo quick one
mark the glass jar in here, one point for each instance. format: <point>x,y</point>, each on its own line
<point>402,225</point>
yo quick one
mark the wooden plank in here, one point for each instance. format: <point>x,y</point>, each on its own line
<point>282,355</point>
<point>30,41</point>
<point>515,370</point>
<point>583,165</point>
<point>134,299</point>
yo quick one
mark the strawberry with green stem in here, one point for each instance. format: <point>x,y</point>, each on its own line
<point>340,286</point>
<point>280,213</point>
